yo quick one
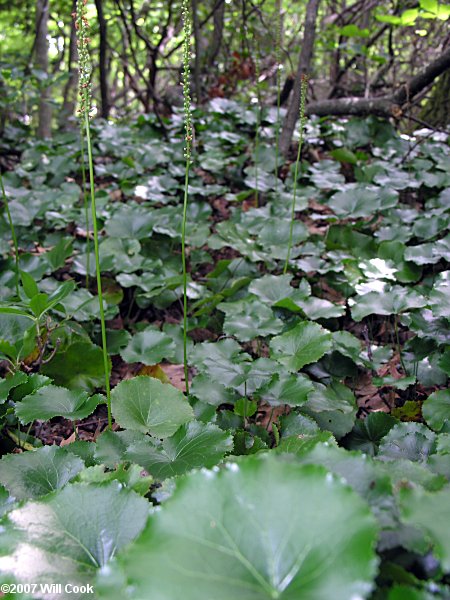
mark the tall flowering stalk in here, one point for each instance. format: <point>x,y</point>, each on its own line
<point>186,79</point>
<point>258,118</point>
<point>278,63</point>
<point>303,90</point>
<point>85,95</point>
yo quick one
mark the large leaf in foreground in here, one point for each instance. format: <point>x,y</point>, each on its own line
<point>53,401</point>
<point>193,446</point>
<point>68,535</point>
<point>300,346</point>
<point>431,513</point>
<point>145,404</point>
<point>38,472</point>
<point>263,528</point>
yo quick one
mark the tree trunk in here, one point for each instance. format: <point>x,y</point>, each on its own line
<point>216,42</point>
<point>304,68</point>
<point>104,91</point>
<point>41,48</point>
<point>71,87</point>
<point>436,111</point>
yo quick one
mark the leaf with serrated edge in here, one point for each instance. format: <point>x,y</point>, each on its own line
<point>193,446</point>
<point>70,534</point>
<point>38,472</point>
<point>306,343</point>
<point>53,401</point>
<point>147,405</point>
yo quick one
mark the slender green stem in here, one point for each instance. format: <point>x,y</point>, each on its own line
<point>13,233</point>
<point>258,120</point>
<point>183,258</point>
<point>399,348</point>
<point>86,209</point>
<point>304,83</point>
<point>97,265</point>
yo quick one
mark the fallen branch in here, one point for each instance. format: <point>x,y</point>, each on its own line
<point>391,105</point>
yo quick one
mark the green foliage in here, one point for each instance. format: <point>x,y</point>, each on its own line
<point>70,534</point>
<point>302,345</point>
<point>285,367</point>
<point>194,445</point>
<point>287,552</point>
<point>147,405</point>
<point>38,472</point>
<point>54,401</point>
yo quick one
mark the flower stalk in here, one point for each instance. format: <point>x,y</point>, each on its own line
<point>303,90</point>
<point>84,110</point>
<point>278,79</point>
<point>186,78</point>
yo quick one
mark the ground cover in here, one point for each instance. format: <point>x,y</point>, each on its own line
<point>311,458</point>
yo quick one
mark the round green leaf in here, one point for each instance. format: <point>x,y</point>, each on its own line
<point>38,472</point>
<point>312,537</point>
<point>412,441</point>
<point>215,394</point>
<point>391,301</point>
<point>404,592</point>
<point>333,407</point>
<point>111,446</point>
<point>6,385</point>
<point>272,288</point>
<point>249,319</point>
<point>193,446</point>
<point>444,361</point>
<point>360,200</point>
<point>302,345</point>
<point>149,347</point>
<point>145,404</point>
<point>287,388</point>
<point>367,433</point>
<point>68,535</point>
<point>436,411</point>
<point>431,513</point>
<point>53,401</point>
<point>318,308</point>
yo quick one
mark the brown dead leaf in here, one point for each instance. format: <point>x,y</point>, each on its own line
<point>221,206</point>
<point>175,373</point>
<point>267,415</point>
<point>320,208</point>
<point>69,440</point>
<point>155,371</point>
<point>115,195</point>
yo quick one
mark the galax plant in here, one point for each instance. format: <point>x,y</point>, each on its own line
<point>187,30</point>
<point>85,96</point>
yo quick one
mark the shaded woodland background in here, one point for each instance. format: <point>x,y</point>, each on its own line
<point>362,57</point>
